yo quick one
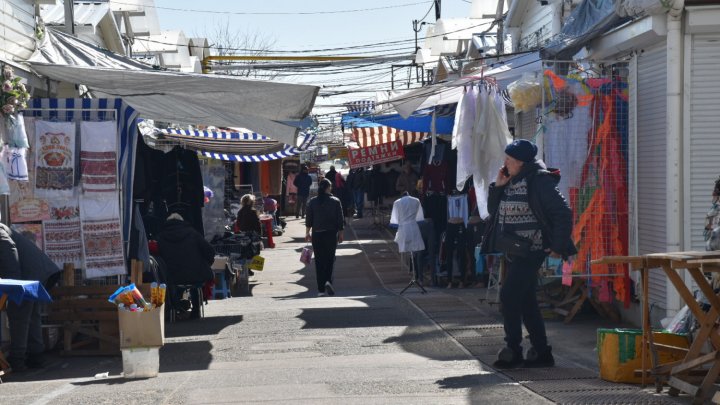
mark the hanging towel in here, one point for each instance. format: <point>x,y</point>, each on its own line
<point>54,159</point>
<point>101,237</point>
<point>61,233</point>
<point>98,157</point>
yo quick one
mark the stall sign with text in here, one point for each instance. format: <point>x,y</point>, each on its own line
<point>370,155</point>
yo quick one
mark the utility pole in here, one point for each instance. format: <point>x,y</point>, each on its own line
<point>500,35</point>
<point>69,18</point>
<point>438,8</point>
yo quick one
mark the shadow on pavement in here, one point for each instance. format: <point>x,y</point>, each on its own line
<point>204,326</point>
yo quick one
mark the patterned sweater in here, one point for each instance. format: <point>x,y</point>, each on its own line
<point>515,215</point>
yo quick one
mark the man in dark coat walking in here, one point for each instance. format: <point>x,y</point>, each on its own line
<point>303,181</point>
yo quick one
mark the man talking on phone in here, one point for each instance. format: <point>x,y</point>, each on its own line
<point>530,220</point>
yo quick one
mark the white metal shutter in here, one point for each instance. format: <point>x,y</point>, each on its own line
<point>525,126</point>
<point>704,124</point>
<point>651,104</point>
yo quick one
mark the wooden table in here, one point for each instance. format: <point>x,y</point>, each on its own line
<point>697,372</point>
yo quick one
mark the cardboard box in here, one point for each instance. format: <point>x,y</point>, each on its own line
<point>142,329</point>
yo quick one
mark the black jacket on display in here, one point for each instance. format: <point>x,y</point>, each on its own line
<point>547,204</point>
<point>186,253</point>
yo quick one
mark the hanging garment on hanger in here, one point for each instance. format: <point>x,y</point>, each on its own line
<point>406,213</point>
<point>462,139</point>
<point>565,140</point>
<point>458,208</point>
<point>491,137</point>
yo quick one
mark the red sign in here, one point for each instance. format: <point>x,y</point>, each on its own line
<point>370,155</point>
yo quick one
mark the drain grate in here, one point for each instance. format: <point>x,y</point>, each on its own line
<point>554,373</point>
<point>608,398</point>
<point>584,385</point>
<point>496,341</point>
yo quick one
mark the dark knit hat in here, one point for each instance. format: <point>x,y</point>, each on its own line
<point>522,150</point>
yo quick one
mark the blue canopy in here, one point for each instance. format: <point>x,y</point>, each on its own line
<point>420,121</point>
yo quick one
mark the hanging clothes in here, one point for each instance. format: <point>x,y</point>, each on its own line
<point>406,213</point>
<point>182,186</point>
<point>491,135</point>
<point>458,207</point>
<point>565,142</point>
<point>462,139</point>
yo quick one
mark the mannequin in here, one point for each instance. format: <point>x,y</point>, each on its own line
<point>406,213</point>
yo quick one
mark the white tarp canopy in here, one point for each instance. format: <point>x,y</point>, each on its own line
<point>505,70</point>
<point>277,110</point>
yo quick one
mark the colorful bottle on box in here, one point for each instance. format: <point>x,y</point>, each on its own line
<point>161,294</point>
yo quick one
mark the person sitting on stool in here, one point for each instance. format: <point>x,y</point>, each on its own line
<point>188,257</point>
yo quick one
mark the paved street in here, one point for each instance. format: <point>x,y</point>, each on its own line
<point>366,345</point>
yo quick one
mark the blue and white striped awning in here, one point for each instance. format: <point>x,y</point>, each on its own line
<point>237,146</point>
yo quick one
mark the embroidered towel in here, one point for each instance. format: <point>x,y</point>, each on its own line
<point>54,159</point>
<point>98,157</point>
<point>61,233</point>
<point>102,237</point>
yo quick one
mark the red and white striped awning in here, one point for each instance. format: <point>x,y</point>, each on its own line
<point>377,135</point>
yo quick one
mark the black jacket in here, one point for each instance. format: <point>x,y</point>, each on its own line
<point>186,253</point>
<point>325,214</point>
<point>303,181</point>
<point>21,259</point>
<point>248,220</point>
<point>547,204</point>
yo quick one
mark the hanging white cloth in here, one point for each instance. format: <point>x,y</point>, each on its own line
<point>491,137</point>
<point>462,139</point>
<point>566,139</point>
<point>406,213</point>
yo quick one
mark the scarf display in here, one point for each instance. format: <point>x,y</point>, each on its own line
<point>102,237</point>
<point>98,157</point>
<point>597,192</point>
<point>54,159</point>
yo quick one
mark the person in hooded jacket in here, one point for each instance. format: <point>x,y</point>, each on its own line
<point>526,203</point>
<point>187,255</point>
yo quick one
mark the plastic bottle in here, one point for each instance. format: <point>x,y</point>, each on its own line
<point>154,294</point>
<point>134,308</point>
<point>161,294</point>
<point>121,307</point>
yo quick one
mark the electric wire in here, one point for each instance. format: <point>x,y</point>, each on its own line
<point>276,12</point>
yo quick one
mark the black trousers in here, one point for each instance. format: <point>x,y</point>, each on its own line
<point>519,302</point>
<point>456,243</point>
<point>324,245</point>
<point>300,205</point>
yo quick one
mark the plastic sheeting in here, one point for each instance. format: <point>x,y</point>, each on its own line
<point>591,19</point>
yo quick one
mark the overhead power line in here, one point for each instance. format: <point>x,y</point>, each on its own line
<point>278,12</point>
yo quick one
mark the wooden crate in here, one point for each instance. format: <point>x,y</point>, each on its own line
<point>89,322</point>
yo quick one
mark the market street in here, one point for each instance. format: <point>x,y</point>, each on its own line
<point>365,345</point>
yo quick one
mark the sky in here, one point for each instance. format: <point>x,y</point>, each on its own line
<point>308,25</point>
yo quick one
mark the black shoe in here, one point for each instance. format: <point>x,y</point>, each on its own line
<point>539,358</point>
<point>35,360</point>
<point>508,358</point>
<point>329,289</point>
<point>17,365</point>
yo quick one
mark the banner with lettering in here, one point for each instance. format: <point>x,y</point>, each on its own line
<point>370,155</point>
